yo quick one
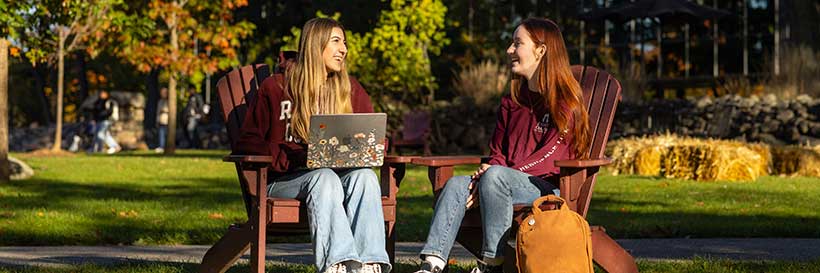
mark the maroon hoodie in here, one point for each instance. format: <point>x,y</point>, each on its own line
<point>526,139</point>
<point>265,128</point>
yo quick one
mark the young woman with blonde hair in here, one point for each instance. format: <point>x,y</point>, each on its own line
<point>543,119</point>
<point>344,206</point>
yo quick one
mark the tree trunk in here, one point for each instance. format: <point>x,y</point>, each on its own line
<point>58,130</point>
<point>4,113</point>
<point>170,142</point>
<point>43,115</point>
<point>152,97</point>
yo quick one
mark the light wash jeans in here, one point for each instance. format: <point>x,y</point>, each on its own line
<point>190,133</point>
<point>498,189</point>
<point>345,214</point>
<point>163,132</point>
<point>102,135</point>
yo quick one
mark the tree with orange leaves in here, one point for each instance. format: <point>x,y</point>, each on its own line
<point>189,38</point>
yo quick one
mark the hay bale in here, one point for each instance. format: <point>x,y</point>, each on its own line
<point>734,163</point>
<point>622,153</point>
<point>648,160</point>
<point>690,158</point>
<point>765,163</point>
<point>684,161</point>
<point>786,160</point>
<point>762,154</point>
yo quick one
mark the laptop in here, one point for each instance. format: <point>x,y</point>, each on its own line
<point>346,140</point>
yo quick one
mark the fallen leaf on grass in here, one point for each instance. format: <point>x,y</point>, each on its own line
<point>216,216</point>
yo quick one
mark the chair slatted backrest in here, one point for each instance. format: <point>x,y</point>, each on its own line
<point>602,92</point>
<point>235,91</point>
<point>415,124</point>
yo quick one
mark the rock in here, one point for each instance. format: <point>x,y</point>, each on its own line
<point>804,99</point>
<point>770,139</point>
<point>793,134</point>
<point>19,169</point>
<point>769,99</point>
<point>703,102</point>
<point>809,141</point>
<point>785,115</point>
<point>770,125</point>
<point>814,129</point>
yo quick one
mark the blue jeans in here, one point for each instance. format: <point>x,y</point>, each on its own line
<point>190,131</point>
<point>102,135</point>
<point>163,131</point>
<point>345,214</point>
<point>498,189</point>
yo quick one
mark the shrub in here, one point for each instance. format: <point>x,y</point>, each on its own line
<point>484,82</point>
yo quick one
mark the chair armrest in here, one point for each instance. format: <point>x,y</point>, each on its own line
<point>444,161</point>
<point>583,163</point>
<point>253,159</point>
<point>399,159</point>
<point>440,168</point>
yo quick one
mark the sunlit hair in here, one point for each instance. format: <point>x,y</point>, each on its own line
<point>559,90</point>
<point>310,91</point>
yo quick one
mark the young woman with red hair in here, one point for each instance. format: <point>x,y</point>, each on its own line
<point>543,119</point>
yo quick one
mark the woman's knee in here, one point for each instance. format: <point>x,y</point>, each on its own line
<point>457,185</point>
<point>492,179</point>
<point>364,175</point>
<point>364,180</point>
<point>325,183</point>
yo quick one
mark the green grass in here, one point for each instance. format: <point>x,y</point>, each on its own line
<point>147,199</point>
<point>692,266</point>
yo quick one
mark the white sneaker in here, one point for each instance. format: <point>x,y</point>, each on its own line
<point>427,267</point>
<point>371,268</point>
<point>337,268</point>
<point>112,150</point>
<point>159,150</point>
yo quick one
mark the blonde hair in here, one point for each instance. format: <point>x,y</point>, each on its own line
<point>310,91</point>
<point>559,90</point>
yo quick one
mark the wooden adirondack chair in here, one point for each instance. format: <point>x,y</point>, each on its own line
<point>414,134</point>
<point>577,177</point>
<point>273,216</point>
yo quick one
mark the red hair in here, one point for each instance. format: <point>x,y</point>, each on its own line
<point>559,90</point>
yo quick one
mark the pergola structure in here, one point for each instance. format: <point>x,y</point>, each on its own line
<point>664,11</point>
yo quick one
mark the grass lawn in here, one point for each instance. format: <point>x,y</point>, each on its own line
<point>146,199</point>
<point>693,266</point>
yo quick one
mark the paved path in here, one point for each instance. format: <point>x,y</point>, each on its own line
<point>645,249</point>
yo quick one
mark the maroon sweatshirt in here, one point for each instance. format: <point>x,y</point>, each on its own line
<point>526,139</point>
<point>265,128</point>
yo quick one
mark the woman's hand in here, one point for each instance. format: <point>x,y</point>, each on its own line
<point>472,200</point>
<point>481,169</point>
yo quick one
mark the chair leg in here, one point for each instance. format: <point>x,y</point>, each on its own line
<point>390,242</point>
<point>258,250</point>
<point>227,250</point>
<point>609,254</point>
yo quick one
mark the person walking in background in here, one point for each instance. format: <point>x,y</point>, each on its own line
<point>193,113</point>
<point>105,112</point>
<point>162,119</point>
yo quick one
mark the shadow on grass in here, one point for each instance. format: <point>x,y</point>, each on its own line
<point>101,225</point>
<point>415,214</point>
<point>698,265</point>
<point>210,154</point>
<point>80,219</point>
<point>127,265</point>
<point>631,219</point>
